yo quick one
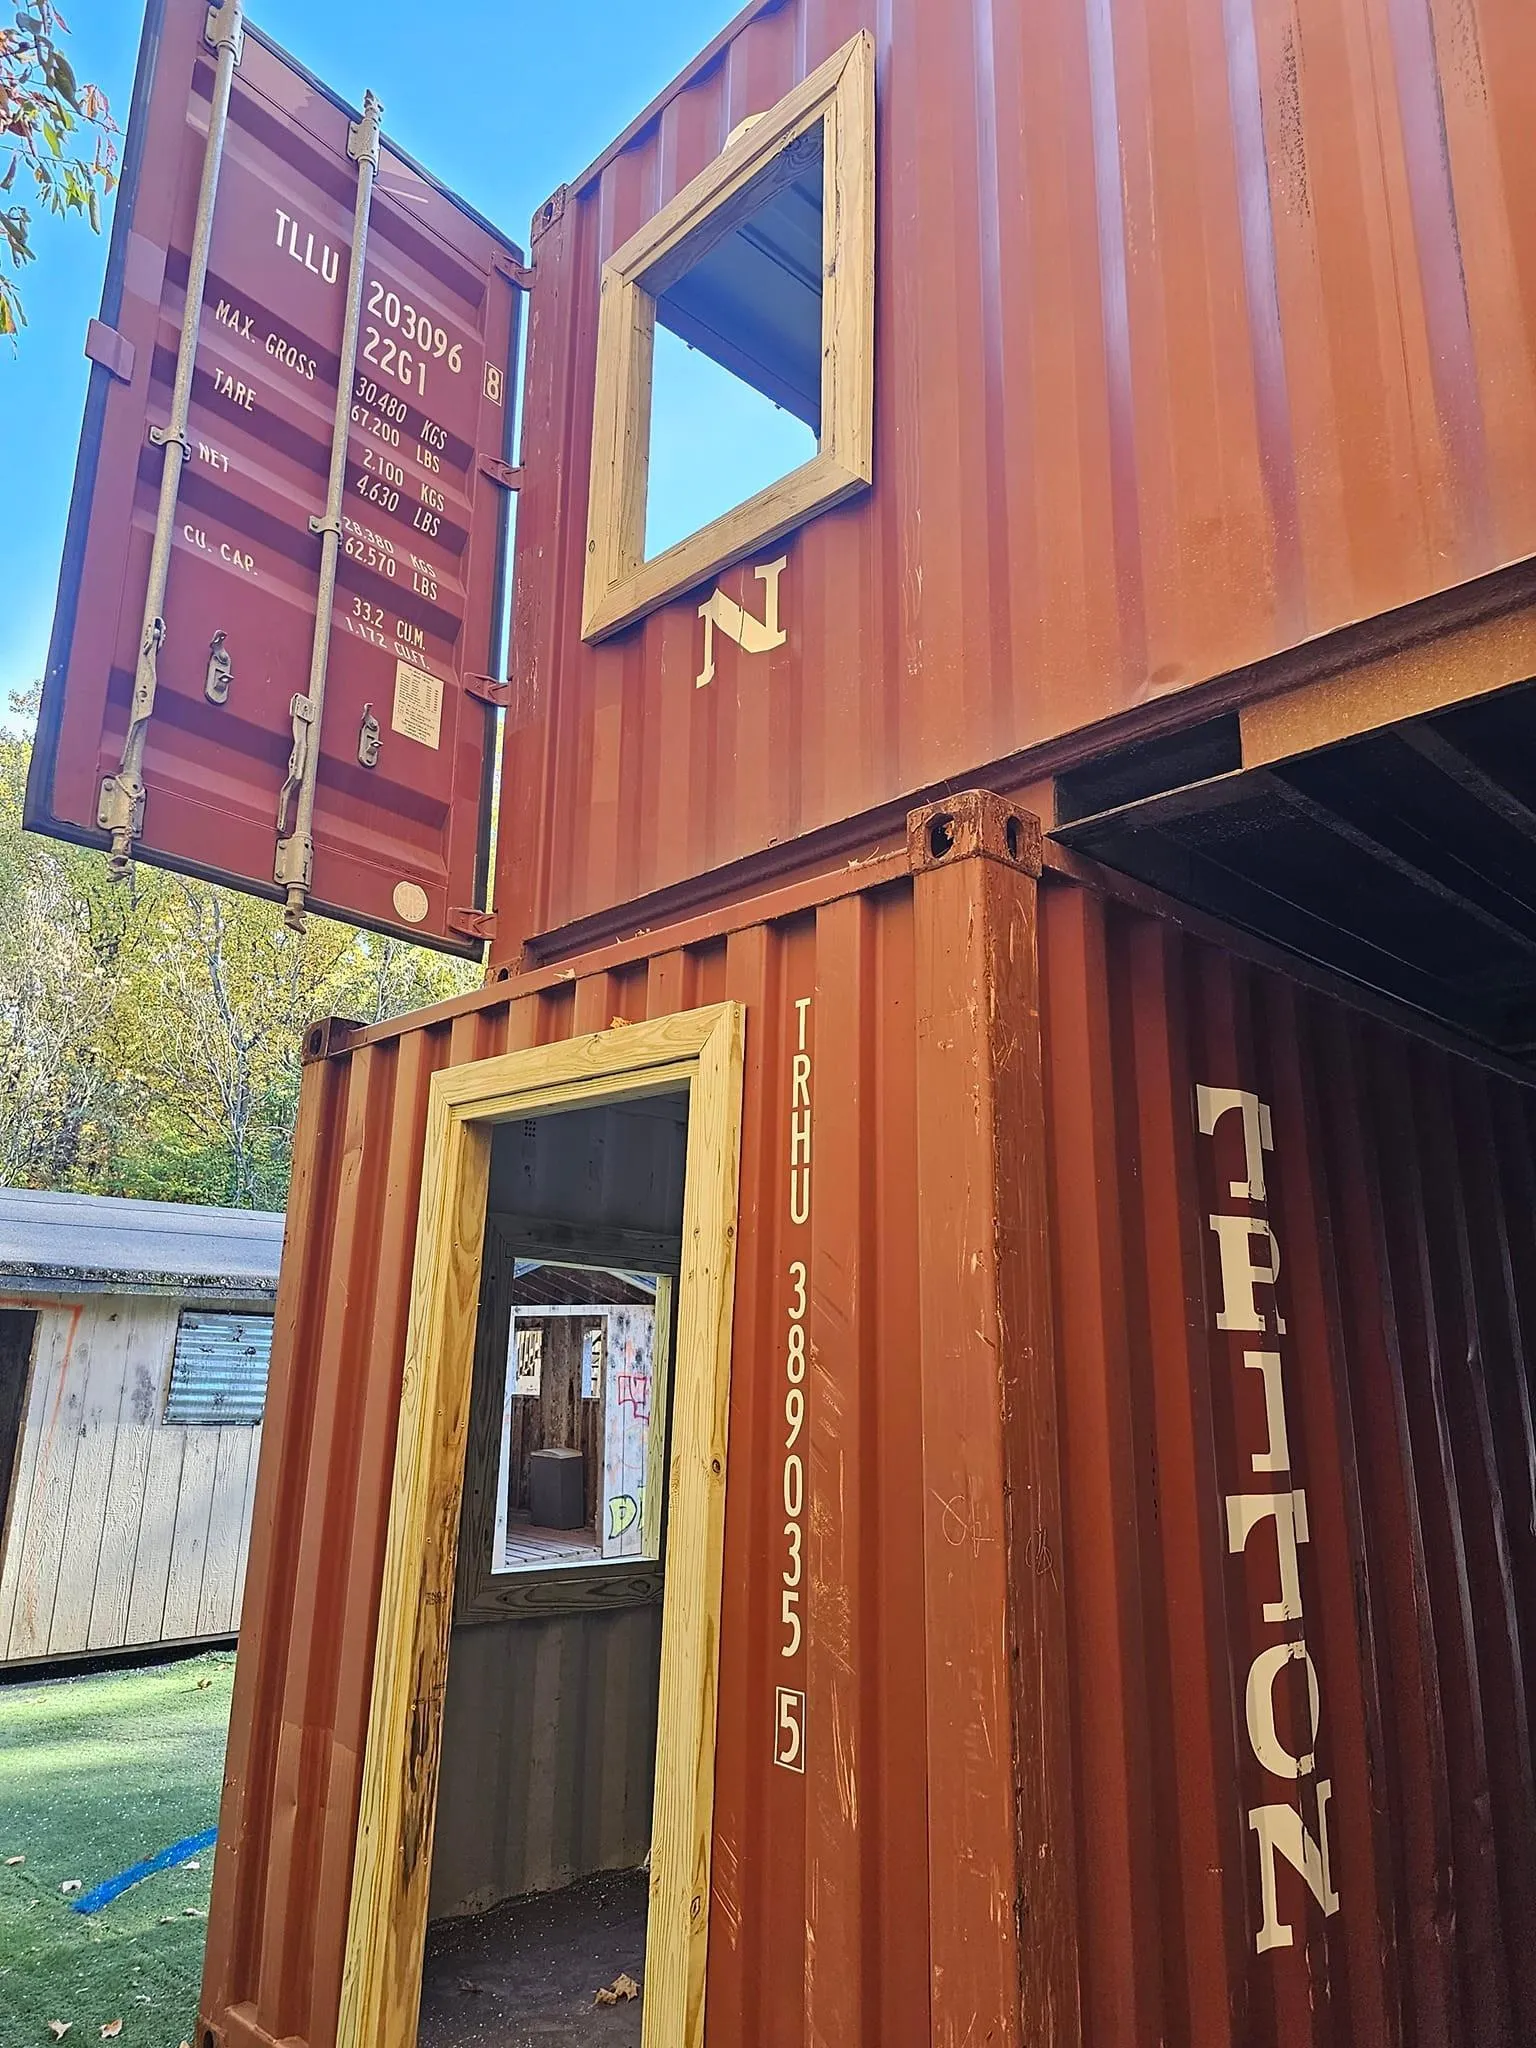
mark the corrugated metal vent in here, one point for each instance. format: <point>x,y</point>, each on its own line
<point>219,1373</point>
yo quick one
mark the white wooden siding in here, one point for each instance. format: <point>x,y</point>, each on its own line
<point>123,1530</point>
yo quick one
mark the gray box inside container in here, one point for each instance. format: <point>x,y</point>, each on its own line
<point>556,1490</point>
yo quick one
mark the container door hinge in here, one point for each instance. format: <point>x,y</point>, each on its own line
<point>473,924</point>
<point>518,274</point>
<point>503,473</point>
<point>488,690</point>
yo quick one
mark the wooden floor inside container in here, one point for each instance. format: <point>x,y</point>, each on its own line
<point>525,1544</point>
<point>530,1970</point>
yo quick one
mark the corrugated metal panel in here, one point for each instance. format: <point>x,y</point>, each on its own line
<point>549,1745</point>
<point>1399,1189</point>
<point>1204,327</point>
<point>219,1369</point>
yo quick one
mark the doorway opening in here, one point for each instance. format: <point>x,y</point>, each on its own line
<point>18,1340</point>
<point>539,1887</point>
<point>533,1846</point>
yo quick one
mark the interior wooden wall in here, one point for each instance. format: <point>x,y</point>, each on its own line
<point>559,1417</point>
<point>121,1530</point>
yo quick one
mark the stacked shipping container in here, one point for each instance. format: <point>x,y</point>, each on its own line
<point>1171,1478</point>
<point>1398,1187</point>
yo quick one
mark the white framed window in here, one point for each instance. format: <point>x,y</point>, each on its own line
<point>763,265</point>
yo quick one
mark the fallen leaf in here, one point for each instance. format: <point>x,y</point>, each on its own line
<point>70,1884</point>
<point>193,1913</point>
<point>192,1864</point>
<point>203,1684</point>
<point>59,2028</point>
<point>621,1987</point>
<point>468,1984</point>
<point>167,1919</point>
<point>12,1861</point>
<point>111,2030</point>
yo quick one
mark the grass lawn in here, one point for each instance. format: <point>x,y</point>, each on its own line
<point>97,1774</point>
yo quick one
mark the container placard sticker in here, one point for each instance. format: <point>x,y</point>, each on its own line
<point>418,707</point>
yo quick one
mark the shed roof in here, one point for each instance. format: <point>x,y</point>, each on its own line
<point>63,1244</point>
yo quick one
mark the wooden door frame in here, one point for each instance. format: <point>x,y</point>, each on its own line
<point>700,1050</point>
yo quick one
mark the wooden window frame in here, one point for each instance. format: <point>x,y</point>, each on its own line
<point>532,1593</point>
<point>700,1050</point>
<point>621,585</point>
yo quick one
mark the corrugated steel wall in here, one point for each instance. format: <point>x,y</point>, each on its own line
<point>1204,326</point>
<point>549,1748</point>
<point>1399,1192</point>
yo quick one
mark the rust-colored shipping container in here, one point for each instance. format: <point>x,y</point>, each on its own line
<point>1202,332</point>
<point>1049,1555</point>
<point>1167,1555</point>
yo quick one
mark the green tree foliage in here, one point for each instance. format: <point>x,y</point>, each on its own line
<point>150,1029</point>
<point>55,140</point>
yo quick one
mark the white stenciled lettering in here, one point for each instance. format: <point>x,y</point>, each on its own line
<point>1249,1258</point>
<point>1240,1275</point>
<point>299,242</point>
<point>1260,1704</point>
<point>288,353</point>
<point>1288,1512</point>
<point>1276,1457</point>
<point>215,458</point>
<point>234,390</point>
<point>230,316</point>
<point>1281,1832</point>
<point>237,559</point>
<point>789,1727</point>
<point>1211,1106</point>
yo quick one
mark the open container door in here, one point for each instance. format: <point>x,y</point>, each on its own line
<point>200,710</point>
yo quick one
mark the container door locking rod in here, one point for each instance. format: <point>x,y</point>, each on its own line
<point>294,866</point>
<point>120,808</point>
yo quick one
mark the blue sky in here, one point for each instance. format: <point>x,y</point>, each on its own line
<point>502,99</point>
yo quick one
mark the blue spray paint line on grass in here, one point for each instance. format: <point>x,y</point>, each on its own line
<point>103,1894</point>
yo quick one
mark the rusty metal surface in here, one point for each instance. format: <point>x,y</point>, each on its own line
<point>1400,1188</point>
<point>399,845</point>
<point>1204,327</point>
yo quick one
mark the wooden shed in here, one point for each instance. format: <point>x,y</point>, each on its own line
<point>134,1345</point>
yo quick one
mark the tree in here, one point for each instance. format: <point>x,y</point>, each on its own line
<point>150,1029</point>
<point>47,120</point>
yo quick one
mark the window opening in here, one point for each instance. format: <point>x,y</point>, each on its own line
<point>735,351</point>
<point>576,1417</point>
<point>736,368</point>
